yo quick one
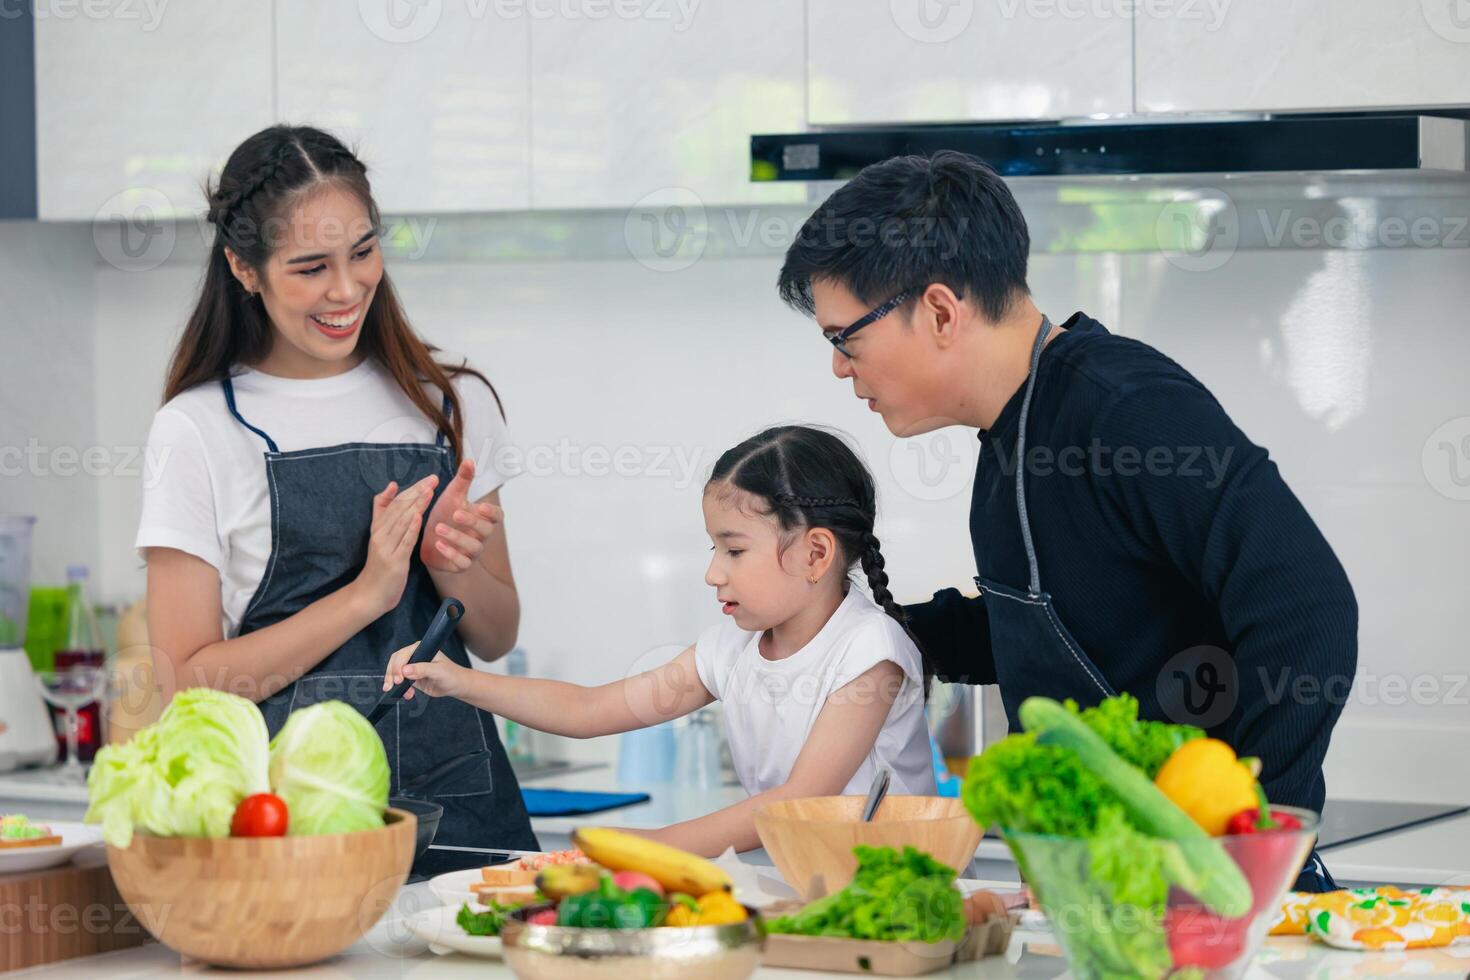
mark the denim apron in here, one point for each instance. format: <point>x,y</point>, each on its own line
<point>1037,654</point>
<point>321,516</point>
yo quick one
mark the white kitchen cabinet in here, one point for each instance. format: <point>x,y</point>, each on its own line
<point>922,61</point>
<point>433,96</point>
<point>656,100</point>
<point>137,103</point>
<point>1307,54</point>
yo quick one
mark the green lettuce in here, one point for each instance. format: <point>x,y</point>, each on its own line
<point>184,775</point>
<point>329,766</point>
<point>1146,744</point>
<point>892,896</point>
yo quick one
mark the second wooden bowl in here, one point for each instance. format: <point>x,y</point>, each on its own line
<point>816,835</point>
<point>264,902</point>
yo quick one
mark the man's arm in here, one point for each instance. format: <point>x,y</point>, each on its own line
<point>953,632</point>
<point>1233,528</point>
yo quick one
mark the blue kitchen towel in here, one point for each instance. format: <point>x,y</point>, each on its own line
<point>571,803</point>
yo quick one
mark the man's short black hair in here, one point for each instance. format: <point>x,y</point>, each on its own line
<point>910,221</point>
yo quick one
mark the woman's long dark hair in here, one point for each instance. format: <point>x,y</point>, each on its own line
<point>804,478</point>
<point>265,176</point>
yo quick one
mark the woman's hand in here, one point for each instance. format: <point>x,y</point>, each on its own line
<point>439,678</point>
<point>458,528</point>
<point>396,521</point>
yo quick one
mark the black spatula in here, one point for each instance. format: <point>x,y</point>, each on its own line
<point>450,612</point>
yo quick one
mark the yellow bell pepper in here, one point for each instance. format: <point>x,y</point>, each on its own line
<point>720,909</point>
<point>1205,779</point>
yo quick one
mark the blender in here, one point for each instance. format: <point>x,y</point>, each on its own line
<point>27,736</point>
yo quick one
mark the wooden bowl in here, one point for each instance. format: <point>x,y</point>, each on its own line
<point>264,902</point>
<point>816,835</point>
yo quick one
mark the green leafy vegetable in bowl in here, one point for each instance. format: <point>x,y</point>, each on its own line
<point>1099,842</point>
<point>892,896</point>
<point>184,775</point>
<point>1145,744</point>
<point>330,767</point>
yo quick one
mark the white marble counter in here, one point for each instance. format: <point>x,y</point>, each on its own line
<point>391,950</point>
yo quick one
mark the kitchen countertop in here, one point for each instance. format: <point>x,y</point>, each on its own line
<point>1438,853</point>
<point>391,950</point>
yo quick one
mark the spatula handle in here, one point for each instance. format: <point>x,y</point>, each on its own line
<point>451,611</point>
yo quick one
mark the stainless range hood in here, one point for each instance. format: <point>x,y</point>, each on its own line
<point>1340,143</point>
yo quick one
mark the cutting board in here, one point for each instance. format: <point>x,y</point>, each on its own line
<point>63,913</point>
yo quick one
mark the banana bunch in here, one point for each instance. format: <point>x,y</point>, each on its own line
<point>675,870</point>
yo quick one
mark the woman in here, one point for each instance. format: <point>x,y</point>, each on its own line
<point>308,515</point>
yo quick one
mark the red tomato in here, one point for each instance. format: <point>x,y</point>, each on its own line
<point>261,815</point>
<point>1198,938</point>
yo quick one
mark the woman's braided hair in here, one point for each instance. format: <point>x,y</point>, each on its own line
<point>808,477</point>
<point>271,165</point>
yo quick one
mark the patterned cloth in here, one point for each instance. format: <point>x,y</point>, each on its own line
<point>1385,918</point>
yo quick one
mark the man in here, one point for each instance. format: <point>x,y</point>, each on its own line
<point>1151,547</point>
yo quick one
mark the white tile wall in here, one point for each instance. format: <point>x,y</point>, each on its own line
<point>48,404</point>
<point>1345,364</point>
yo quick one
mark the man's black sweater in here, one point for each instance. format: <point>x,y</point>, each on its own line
<point>1173,551</point>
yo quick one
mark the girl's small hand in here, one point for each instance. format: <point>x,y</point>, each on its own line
<point>457,528</point>
<point>395,527</point>
<point>439,678</point>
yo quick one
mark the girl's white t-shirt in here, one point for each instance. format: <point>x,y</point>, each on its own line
<point>771,705</point>
<point>204,489</point>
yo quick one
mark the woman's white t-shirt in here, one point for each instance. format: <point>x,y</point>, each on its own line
<point>771,705</point>
<point>205,489</point>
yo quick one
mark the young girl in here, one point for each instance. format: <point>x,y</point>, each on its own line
<point>820,685</point>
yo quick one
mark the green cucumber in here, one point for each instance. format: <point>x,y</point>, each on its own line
<point>1203,867</point>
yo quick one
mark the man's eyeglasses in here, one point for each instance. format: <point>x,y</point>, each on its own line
<point>839,339</point>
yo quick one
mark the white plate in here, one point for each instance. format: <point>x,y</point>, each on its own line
<point>75,837</point>
<point>438,928</point>
<point>454,887</point>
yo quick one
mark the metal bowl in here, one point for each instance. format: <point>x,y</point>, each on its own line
<point>730,952</point>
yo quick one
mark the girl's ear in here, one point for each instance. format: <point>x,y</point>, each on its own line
<point>821,552</point>
<point>243,272</point>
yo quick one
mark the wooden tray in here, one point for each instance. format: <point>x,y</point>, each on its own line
<point>886,959</point>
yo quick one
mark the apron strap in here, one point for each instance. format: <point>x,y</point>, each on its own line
<point>1035,581</point>
<point>448,408</point>
<point>229,388</point>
